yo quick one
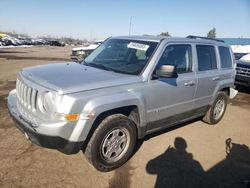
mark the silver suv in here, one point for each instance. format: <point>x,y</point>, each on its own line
<point>127,88</point>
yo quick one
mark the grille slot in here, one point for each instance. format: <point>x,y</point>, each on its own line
<point>26,95</point>
<point>29,98</point>
<point>243,71</point>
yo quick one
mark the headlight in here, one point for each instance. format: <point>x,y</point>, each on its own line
<point>47,102</point>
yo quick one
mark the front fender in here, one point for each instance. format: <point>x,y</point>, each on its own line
<point>105,103</point>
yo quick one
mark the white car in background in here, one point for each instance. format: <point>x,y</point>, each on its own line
<point>245,57</point>
<point>241,52</point>
<point>80,53</point>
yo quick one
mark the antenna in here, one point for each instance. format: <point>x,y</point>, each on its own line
<point>130,23</point>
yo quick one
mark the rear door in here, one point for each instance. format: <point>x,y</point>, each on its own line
<point>207,74</point>
<point>227,73</point>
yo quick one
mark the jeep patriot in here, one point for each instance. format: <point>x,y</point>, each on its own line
<point>127,88</point>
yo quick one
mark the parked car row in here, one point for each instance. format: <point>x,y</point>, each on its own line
<point>12,41</point>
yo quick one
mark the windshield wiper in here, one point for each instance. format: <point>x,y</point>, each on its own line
<point>98,65</point>
<point>101,66</point>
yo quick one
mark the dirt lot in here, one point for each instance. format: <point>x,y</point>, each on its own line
<point>191,155</point>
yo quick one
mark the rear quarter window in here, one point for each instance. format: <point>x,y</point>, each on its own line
<point>225,57</point>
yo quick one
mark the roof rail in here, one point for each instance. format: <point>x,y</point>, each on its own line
<point>198,37</point>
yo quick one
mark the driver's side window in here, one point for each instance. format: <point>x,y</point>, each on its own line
<point>178,55</point>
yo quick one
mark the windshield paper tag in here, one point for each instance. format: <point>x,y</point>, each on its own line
<point>138,46</point>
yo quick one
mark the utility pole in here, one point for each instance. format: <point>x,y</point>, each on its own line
<point>130,23</point>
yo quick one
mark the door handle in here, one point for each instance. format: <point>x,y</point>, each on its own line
<point>216,78</point>
<point>190,83</point>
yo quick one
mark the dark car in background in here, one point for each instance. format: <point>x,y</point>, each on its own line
<point>243,73</point>
<point>56,43</point>
<point>6,42</point>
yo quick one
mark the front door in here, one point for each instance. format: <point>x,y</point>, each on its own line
<point>172,97</point>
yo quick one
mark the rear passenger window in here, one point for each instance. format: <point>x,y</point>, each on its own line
<point>179,55</point>
<point>206,57</point>
<point>225,57</point>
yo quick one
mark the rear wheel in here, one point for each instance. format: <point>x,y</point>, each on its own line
<point>112,143</point>
<point>217,110</point>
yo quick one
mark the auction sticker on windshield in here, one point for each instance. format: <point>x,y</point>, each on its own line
<point>138,46</point>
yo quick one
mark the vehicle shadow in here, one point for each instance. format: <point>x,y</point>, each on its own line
<point>170,81</point>
<point>242,99</point>
<point>177,168</point>
<point>163,131</point>
<point>243,89</point>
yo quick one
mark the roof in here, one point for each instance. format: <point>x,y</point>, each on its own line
<point>153,38</point>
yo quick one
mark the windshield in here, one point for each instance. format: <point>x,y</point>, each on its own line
<point>123,56</point>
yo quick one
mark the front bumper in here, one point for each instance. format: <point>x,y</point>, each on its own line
<point>48,141</point>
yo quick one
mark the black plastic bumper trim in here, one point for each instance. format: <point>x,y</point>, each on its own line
<point>52,142</point>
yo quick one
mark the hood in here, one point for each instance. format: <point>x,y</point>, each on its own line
<point>73,77</point>
<point>245,57</point>
<point>245,64</point>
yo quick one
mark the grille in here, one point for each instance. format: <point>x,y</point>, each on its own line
<point>243,71</point>
<point>74,52</point>
<point>26,95</point>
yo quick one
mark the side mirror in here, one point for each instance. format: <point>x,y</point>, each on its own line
<point>167,71</point>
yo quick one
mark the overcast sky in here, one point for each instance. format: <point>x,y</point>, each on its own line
<point>100,19</point>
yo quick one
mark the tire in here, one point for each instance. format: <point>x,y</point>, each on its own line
<point>112,143</point>
<point>214,115</point>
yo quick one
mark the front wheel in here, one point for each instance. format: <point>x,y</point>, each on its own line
<point>112,143</point>
<point>217,110</point>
